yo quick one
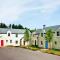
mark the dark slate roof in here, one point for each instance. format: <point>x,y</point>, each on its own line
<point>54,28</point>
<point>19,31</point>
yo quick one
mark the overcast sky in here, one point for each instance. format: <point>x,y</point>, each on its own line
<point>30,13</point>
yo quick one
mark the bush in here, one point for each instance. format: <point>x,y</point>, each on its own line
<point>36,46</point>
<point>33,47</point>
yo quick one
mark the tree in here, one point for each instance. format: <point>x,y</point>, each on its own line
<point>20,26</point>
<point>26,35</point>
<point>17,26</point>
<point>2,25</point>
<point>49,36</point>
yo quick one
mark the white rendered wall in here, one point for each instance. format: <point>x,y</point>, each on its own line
<point>11,37</point>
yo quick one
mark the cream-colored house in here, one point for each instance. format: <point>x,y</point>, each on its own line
<point>38,37</point>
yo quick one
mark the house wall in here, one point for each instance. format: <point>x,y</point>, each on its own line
<point>41,39</point>
<point>11,37</point>
<point>34,37</point>
<point>57,44</point>
<point>53,45</point>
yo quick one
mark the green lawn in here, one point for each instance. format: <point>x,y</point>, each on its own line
<point>55,52</point>
<point>35,48</point>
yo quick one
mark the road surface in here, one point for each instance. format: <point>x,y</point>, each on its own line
<point>16,53</point>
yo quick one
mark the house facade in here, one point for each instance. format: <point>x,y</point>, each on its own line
<point>38,37</point>
<point>12,37</point>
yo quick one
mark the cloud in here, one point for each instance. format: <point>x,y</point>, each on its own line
<point>11,10</point>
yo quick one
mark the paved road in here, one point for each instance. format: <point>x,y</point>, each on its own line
<point>13,53</point>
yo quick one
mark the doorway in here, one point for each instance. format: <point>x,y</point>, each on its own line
<point>46,44</point>
<point>2,43</point>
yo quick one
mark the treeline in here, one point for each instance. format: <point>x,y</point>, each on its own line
<point>14,26</point>
<point>19,26</point>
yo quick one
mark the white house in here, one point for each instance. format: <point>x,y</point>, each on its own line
<point>11,37</point>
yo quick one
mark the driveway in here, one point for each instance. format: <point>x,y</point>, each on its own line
<point>13,53</point>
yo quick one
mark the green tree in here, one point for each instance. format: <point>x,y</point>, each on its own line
<point>2,25</point>
<point>20,26</point>
<point>49,36</point>
<point>26,35</point>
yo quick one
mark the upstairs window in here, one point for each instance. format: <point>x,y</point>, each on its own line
<point>41,34</point>
<point>37,37</point>
<point>8,34</point>
<point>58,33</point>
<point>10,41</point>
<point>55,42</point>
<point>16,35</point>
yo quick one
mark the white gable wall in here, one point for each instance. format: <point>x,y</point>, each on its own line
<point>11,37</point>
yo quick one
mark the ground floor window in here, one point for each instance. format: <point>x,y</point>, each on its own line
<point>55,42</point>
<point>6,41</point>
<point>10,41</point>
<point>24,42</point>
<point>41,42</point>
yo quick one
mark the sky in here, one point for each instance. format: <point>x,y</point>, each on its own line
<point>30,13</point>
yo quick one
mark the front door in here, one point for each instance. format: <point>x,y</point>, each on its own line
<point>2,42</point>
<point>35,42</point>
<point>46,44</point>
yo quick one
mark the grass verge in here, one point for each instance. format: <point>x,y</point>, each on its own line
<point>55,52</point>
<point>32,47</point>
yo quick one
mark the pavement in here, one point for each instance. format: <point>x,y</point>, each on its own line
<point>16,53</point>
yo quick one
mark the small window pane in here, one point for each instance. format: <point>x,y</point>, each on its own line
<point>8,34</point>
<point>41,34</point>
<point>10,41</point>
<point>55,42</point>
<point>16,42</point>
<point>58,34</point>
<point>16,35</point>
<point>6,40</point>
<point>41,42</point>
<point>37,37</point>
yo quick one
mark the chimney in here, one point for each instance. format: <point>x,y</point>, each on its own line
<point>44,26</point>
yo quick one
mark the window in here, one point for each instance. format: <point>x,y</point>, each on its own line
<point>44,33</point>
<point>16,35</point>
<point>10,41</point>
<point>6,41</point>
<point>55,42</point>
<point>24,42</point>
<point>58,34</point>
<point>8,34</point>
<point>37,37</point>
<point>16,42</point>
<point>54,32</point>
<point>41,34</point>
<point>41,42</point>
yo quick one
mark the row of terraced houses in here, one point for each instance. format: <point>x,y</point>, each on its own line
<point>15,37</point>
